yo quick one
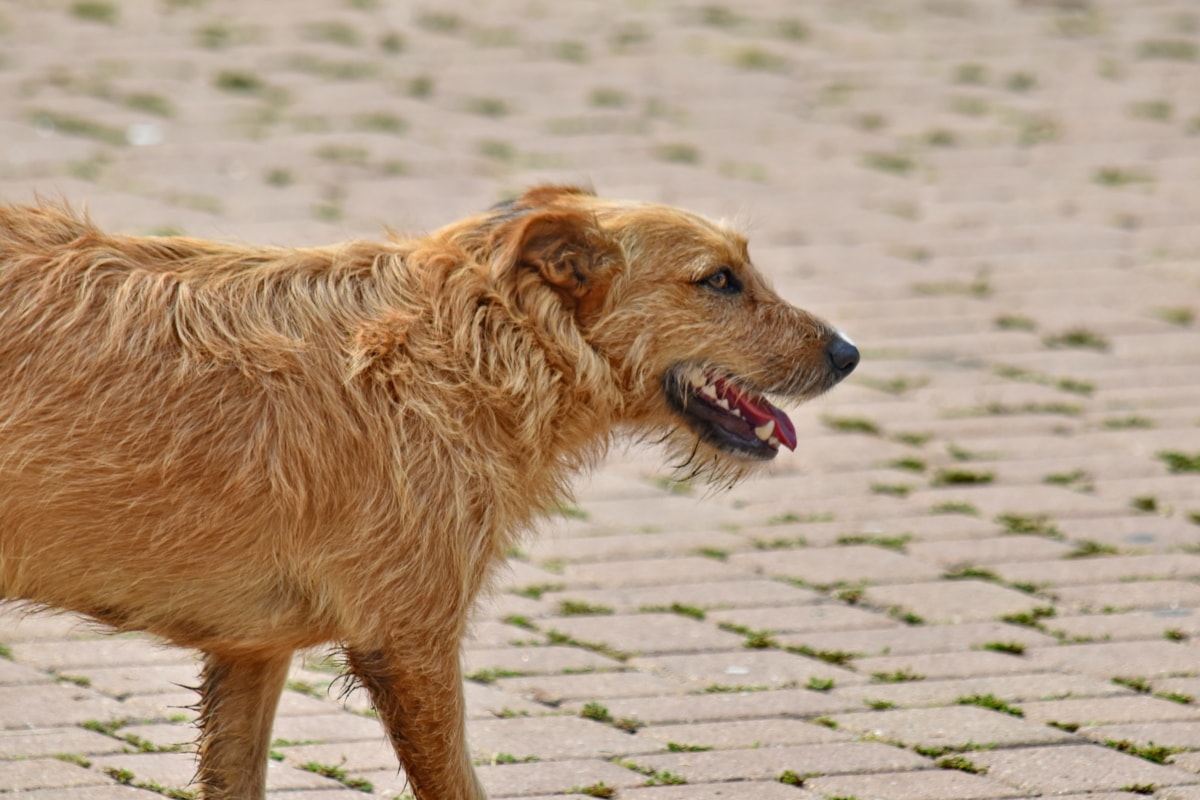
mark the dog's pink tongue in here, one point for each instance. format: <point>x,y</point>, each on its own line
<point>759,413</point>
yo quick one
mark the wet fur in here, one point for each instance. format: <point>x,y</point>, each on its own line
<point>251,450</point>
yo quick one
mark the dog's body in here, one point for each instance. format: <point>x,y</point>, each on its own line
<point>250,450</point>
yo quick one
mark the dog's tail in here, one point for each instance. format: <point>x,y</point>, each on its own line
<point>25,229</point>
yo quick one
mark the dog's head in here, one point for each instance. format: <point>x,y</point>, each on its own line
<point>693,337</point>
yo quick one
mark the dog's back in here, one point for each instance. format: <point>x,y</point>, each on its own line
<point>162,417</point>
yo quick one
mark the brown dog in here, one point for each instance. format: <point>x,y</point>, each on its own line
<point>254,450</point>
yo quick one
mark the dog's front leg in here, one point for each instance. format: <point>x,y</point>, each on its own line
<point>238,698</point>
<point>418,695</point>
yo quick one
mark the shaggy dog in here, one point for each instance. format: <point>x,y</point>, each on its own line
<point>253,450</point>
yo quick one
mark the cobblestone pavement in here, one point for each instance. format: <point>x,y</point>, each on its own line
<point>978,577</point>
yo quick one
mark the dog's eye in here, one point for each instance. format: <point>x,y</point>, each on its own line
<point>723,281</point>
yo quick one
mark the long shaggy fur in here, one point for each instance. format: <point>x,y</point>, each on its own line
<point>251,450</point>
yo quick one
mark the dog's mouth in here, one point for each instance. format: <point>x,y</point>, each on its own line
<point>726,413</point>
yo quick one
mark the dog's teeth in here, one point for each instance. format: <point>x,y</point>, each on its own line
<point>696,378</point>
<point>773,441</point>
<point>723,403</point>
<point>709,391</point>
<point>737,412</point>
<point>764,431</point>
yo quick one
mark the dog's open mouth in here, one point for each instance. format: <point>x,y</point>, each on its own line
<point>727,414</point>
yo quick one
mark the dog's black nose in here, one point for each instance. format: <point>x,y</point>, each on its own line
<point>843,356</point>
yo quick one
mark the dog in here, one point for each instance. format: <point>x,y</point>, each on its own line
<point>253,450</point>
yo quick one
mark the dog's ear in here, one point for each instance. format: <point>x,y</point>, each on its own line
<point>566,248</point>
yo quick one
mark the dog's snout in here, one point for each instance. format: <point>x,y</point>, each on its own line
<point>843,356</point>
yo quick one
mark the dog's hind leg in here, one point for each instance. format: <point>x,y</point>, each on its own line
<point>238,698</point>
<point>418,695</point>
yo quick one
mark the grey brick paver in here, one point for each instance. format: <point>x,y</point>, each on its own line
<point>903,640</point>
<point>737,790</point>
<point>954,601</point>
<point>952,727</point>
<point>1076,768</point>
<point>647,633</point>
<point>45,772</point>
<point>1119,659</point>
<point>746,668</point>
<point>552,690</point>
<point>1184,735</point>
<point>554,738</point>
<point>744,733</point>
<point>770,762</point>
<point>1013,688</point>
<point>839,564</point>
<point>549,659</point>
<point>703,595</point>
<point>555,777</point>
<point>950,201</point>
<point>1098,710</point>
<point>725,705</point>
<point>1130,625</point>
<point>811,618</point>
<point>947,665</point>
<point>928,785</point>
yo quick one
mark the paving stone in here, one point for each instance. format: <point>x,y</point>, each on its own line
<point>40,742</point>
<point>652,572</point>
<point>327,728</point>
<point>743,733</point>
<point>647,633</point>
<point>66,656</point>
<point>557,777</point>
<point>176,770</point>
<point>737,790</point>
<point>1012,688</point>
<point>946,665</point>
<point>1100,710</point>
<point>554,689</point>
<point>696,708</point>
<point>831,565</point>
<point>487,634</point>
<point>109,792</point>
<point>1075,768</point>
<point>358,756</point>
<point>554,738</point>
<point>953,727</point>
<point>489,701</point>
<point>134,679</point>
<point>819,617</point>
<point>37,773</point>
<point>926,785</point>
<point>1100,597</point>
<point>987,551</point>
<point>722,594</point>
<point>532,660</point>
<point>1154,624</point>
<point>54,705</point>
<point>13,674</point>
<point>1106,569</point>
<point>633,546</point>
<point>769,762</point>
<point>1183,734</point>
<point>954,601</point>
<point>1118,659</point>
<point>746,668</point>
<point>21,624</point>
<point>1132,533</point>
<point>906,639</point>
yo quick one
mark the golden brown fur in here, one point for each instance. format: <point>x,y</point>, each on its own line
<point>252,450</point>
